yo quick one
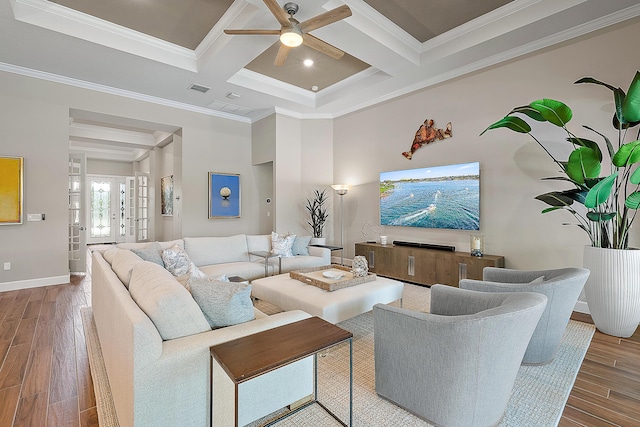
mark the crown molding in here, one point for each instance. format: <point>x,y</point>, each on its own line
<point>118,92</point>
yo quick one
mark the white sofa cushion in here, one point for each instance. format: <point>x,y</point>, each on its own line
<point>142,245</point>
<point>168,304</point>
<point>299,262</point>
<point>217,250</point>
<point>259,242</point>
<point>223,303</point>
<point>123,263</point>
<point>110,254</point>
<point>247,270</point>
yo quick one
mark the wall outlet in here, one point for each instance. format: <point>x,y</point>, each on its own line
<point>7,266</point>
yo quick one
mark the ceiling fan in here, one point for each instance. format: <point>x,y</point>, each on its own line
<point>293,33</point>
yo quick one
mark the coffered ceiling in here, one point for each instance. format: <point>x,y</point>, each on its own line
<point>157,49</point>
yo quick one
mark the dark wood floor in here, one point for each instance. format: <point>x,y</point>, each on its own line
<point>45,378</point>
<point>607,389</point>
<point>44,370</point>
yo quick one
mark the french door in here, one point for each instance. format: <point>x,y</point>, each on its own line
<point>77,207</point>
<point>108,208</point>
<point>142,209</point>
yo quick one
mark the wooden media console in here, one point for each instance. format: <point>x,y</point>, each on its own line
<point>425,266</point>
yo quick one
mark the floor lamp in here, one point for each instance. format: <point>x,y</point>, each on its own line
<point>341,190</point>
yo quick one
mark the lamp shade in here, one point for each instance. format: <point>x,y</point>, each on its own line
<point>341,189</point>
<point>291,37</point>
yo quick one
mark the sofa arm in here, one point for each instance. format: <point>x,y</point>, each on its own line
<point>323,253</point>
<point>177,386</point>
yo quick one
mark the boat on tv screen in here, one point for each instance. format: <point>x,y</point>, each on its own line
<point>434,197</point>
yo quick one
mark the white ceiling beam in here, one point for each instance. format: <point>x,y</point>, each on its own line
<point>64,20</point>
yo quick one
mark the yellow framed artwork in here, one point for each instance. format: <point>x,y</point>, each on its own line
<point>11,183</point>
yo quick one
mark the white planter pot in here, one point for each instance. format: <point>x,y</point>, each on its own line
<point>613,289</point>
<point>318,241</point>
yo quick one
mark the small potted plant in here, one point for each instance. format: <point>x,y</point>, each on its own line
<point>318,214</point>
<point>604,207</point>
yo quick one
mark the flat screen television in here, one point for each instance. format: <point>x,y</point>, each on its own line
<point>434,197</point>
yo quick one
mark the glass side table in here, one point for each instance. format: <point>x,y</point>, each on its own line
<point>267,255</point>
<point>333,248</point>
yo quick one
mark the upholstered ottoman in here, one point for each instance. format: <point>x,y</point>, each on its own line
<point>336,306</point>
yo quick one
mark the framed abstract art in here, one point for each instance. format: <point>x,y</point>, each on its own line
<point>224,195</point>
<point>11,190</point>
<point>166,195</point>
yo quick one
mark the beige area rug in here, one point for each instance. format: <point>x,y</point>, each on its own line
<point>538,397</point>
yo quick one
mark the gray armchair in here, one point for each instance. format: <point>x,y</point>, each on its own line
<point>562,288</point>
<point>456,365</point>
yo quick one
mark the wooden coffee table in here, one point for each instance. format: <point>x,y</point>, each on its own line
<point>249,357</point>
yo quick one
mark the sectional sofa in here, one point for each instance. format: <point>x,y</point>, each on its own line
<point>155,339</point>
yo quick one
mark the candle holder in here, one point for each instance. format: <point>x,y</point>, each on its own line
<point>476,242</point>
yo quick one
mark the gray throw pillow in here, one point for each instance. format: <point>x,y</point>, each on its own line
<point>222,303</point>
<point>152,253</point>
<point>300,244</point>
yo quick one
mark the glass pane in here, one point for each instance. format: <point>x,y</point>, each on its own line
<point>100,209</point>
<point>123,209</point>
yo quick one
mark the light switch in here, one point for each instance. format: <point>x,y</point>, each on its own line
<point>34,217</point>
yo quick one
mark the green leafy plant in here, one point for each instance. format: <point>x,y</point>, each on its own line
<point>318,212</point>
<point>611,201</point>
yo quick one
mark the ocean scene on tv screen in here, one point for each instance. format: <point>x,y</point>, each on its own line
<point>435,197</point>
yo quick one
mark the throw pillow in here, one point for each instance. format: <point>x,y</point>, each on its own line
<point>152,253</point>
<point>300,244</point>
<point>178,263</point>
<point>281,245</point>
<point>223,303</point>
<point>169,305</point>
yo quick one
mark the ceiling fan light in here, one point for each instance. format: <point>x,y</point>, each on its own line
<point>291,37</point>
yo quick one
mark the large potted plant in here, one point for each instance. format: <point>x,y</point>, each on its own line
<point>317,215</point>
<point>603,198</point>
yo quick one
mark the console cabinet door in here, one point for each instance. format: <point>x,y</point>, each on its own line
<point>471,267</point>
<point>378,257</point>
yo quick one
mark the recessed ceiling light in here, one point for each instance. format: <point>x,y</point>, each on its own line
<point>314,88</point>
<point>233,95</point>
<point>308,62</point>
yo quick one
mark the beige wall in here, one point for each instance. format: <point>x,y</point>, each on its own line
<point>36,250</point>
<point>35,122</point>
<point>371,141</point>
<point>108,167</point>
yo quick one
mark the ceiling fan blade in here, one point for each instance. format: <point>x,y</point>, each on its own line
<point>278,12</point>
<point>322,46</point>
<point>282,55</point>
<point>253,32</point>
<point>326,18</point>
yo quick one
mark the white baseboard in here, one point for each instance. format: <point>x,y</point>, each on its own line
<point>582,307</point>
<point>35,283</point>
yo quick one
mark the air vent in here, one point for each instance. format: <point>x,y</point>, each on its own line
<point>199,88</point>
<point>230,108</point>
